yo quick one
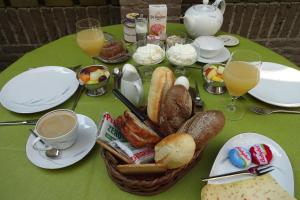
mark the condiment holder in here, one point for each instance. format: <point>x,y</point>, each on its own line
<point>94,83</point>
<point>210,85</point>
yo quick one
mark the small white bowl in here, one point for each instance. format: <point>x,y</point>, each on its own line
<point>208,46</point>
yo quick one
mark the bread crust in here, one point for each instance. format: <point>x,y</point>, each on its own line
<point>161,81</point>
<point>175,109</point>
<point>203,126</point>
<point>135,131</point>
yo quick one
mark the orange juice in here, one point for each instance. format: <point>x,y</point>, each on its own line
<point>91,41</point>
<point>240,77</point>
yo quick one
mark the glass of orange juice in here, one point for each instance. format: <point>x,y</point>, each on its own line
<point>89,37</point>
<point>241,74</point>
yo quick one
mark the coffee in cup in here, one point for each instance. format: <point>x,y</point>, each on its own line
<point>58,129</point>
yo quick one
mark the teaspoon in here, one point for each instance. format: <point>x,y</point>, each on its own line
<point>51,153</point>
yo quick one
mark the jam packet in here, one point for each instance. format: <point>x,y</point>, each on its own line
<point>109,134</point>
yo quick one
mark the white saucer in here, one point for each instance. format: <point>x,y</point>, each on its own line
<point>222,57</point>
<point>229,40</point>
<point>87,133</point>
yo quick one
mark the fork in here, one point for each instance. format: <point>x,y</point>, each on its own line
<point>253,171</point>
<point>267,111</point>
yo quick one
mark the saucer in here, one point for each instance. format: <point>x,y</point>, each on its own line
<point>229,40</point>
<point>222,57</point>
<point>87,133</point>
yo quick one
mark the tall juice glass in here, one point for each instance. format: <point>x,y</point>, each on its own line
<point>90,37</point>
<point>241,74</point>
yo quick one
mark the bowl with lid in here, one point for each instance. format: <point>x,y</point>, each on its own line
<point>208,46</point>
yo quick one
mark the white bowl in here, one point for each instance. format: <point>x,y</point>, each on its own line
<point>208,46</point>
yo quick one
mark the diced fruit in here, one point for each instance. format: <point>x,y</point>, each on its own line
<point>90,69</point>
<point>96,74</point>
<point>220,70</point>
<point>217,78</point>
<point>211,74</point>
<point>92,82</point>
<point>84,77</point>
<point>102,78</point>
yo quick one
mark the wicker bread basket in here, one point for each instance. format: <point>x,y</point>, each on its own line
<point>146,185</point>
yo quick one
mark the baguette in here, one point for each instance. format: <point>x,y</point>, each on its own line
<point>162,80</point>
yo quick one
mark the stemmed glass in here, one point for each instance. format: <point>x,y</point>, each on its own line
<point>90,37</point>
<point>241,74</point>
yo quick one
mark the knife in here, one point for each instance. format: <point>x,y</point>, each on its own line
<point>198,101</point>
<point>140,115</point>
<point>19,122</point>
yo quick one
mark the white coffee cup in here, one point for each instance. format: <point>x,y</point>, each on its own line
<point>57,129</point>
<point>208,46</point>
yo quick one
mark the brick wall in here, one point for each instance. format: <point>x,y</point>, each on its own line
<point>27,24</point>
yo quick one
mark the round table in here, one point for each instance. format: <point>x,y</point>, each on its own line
<point>88,179</point>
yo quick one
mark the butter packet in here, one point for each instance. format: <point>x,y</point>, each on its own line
<point>109,134</point>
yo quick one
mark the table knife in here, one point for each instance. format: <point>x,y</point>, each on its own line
<point>198,101</point>
<point>19,122</point>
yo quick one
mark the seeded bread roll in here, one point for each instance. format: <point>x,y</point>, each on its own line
<point>176,109</point>
<point>175,150</point>
<point>203,126</point>
<point>162,80</point>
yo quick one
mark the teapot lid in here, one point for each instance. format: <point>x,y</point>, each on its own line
<point>204,8</point>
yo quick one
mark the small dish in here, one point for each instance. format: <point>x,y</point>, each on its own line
<point>208,46</point>
<point>87,133</point>
<point>222,57</point>
<point>94,78</point>
<point>212,75</point>
<point>229,40</point>
<point>148,55</point>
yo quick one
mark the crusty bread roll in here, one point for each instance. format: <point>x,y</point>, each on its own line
<point>203,126</point>
<point>161,81</point>
<point>176,108</point>
<point>175,150</point>
<point>135,131</point>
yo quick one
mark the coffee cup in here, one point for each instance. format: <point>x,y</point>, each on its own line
<point>57,129</point>
<point>208,46</point>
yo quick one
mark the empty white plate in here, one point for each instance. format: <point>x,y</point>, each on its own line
<point>278,85</point>
<point>39,89</point>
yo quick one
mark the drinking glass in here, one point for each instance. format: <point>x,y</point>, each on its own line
<point>141,29</point>
<point>90,37</point>
<point>241,74</point>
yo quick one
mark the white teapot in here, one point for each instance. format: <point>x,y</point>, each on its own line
<point>131,84</point>
<point>204,19</point>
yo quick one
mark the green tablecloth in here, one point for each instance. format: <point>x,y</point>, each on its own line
<point>87,179</point>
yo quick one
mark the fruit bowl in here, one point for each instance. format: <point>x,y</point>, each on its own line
<point>94,78</point>
<point>213,76</point>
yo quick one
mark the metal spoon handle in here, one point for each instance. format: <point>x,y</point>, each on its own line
<point>287,111</point>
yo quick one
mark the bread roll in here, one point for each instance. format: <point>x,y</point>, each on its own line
<point>203,126</point>
<point>161,81</point>
<point>175,150</point>
<point>176,108</point>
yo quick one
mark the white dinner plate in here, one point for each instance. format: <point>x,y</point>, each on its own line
<point>222,57</point>
<point>87,133</point>
<point>39,89</point>
<point>278,85</point>
<point>283,172</point>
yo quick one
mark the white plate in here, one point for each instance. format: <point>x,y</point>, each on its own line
<point>222,57</point>
<point>283,172</point>
<point>229,40</point>
<point>279,85</point>
<point>87,133</point>
<point>39,89</point>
